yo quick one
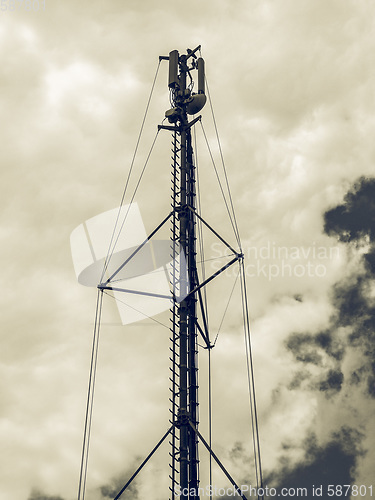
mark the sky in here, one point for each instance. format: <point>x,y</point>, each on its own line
<point>292,85</point>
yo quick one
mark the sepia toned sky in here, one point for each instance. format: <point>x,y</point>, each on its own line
<point>292,85</point>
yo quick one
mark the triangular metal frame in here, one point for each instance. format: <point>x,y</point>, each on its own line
<point>237,489</point>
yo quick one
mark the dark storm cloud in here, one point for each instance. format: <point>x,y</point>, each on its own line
<point>370,261</point>
<point>350,300</point>
<point>304,348</point>
<point>355,217</point>
<point>334,463</point>
<point>333,382</point>
<point>313,350</point>
<point>356,310</point>
<point>310,348</point>
<point>352,222</point>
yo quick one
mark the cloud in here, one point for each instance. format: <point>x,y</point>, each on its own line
<point>112,489</point>
<point>357,312</point>
<point>104,492</point>
<point>292,85</point>
<point>354,219</point>
<point>333,382</point>
<point>336,363</point>
<point>351,327</point>
<point>334,463</point>
<point>353,222</point>
<point>306,347</point>
<point>37,495</point>
<point>324,350</point>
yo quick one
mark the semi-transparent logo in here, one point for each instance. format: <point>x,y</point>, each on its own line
<point>149,280</point>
